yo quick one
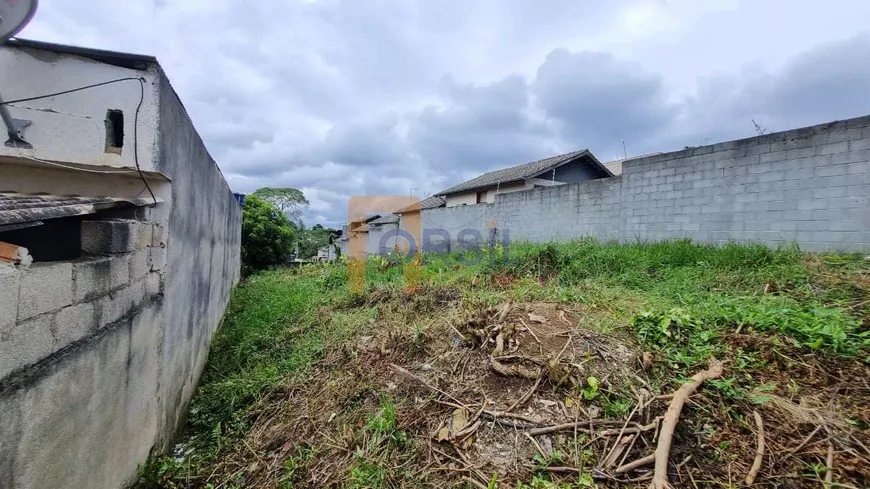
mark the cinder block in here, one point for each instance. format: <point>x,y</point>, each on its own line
<point>153,284</point>
<point>861,144</point>
<point>96,276</point>
<point>10,281</point>
<point>120,303</point>
<point>45,287</point>
<point>74,323</point>
<point>157,259</point>
<point>139,264</point>
<point>27,343</point>
<point>144,235</point>
<point>829,149</point>
<point>105,237</point>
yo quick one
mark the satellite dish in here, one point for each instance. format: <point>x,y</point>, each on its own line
<point>14,15</point>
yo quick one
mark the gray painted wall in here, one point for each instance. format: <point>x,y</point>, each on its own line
<point>102,355</point>
<point>576,171</point>
<point>204,256</point>
<point>810,186</point>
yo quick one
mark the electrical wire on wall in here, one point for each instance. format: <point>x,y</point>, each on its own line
<point>135,124</point>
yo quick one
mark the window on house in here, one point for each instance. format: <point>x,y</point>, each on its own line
<point>114,131</point>
<point>481,197</point>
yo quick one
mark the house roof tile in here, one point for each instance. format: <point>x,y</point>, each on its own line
<point>521,172</point>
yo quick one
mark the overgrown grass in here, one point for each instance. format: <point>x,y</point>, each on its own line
<point>712,287</point>
<point>679,298</point>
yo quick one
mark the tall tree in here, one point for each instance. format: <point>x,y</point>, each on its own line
<point>266,235</point>
<point>291,201</point>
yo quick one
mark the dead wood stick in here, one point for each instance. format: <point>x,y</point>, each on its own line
<point>536,444</point>
<point>759,452</point>
<point>672,417</point>
<point>829,463</point>
<point>527,396</point>
<point>806,440</point>
<point>514,358</point>
<point>570,426</point>
<point>474,482</point>
<point>495,415</point>
<point>521,417</point>
<point>625,455</point>
<point>529,329</point>
<point>466,431</point>
<point>619,436</point>
<point>503,312</point>
<point>637,463</point>
<point>429,386</point>
<point>513,370</point>
<point>564,470</point>
<point>454,329</point>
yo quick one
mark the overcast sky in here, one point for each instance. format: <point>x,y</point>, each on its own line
<point>378,97</point>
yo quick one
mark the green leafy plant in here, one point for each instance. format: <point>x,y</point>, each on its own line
<point>590,392</point>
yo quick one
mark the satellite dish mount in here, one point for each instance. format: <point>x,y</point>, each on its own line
<point>14,15</point>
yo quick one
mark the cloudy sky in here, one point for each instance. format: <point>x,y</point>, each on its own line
<point>385,97</point>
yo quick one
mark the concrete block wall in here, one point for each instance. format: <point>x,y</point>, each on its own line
<point>96,367</point>
<point>451,229</point>
<point>589,208</point>
<point>49,306</point>
<point>809,186</point>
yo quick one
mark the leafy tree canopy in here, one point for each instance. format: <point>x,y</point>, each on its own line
<point>291,201</point>
<point>267,237</point>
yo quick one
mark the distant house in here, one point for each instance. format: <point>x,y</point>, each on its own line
<point>572,167</point>
<point>326,253</point>
<point>432,202</point>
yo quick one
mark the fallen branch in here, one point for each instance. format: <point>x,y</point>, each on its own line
<point>608,460</point>
<point>503,312</point>
<point>527,396</point>
<point>529,329</point>
<point>672,417</point>
<point>429,386</point>
<point>513,370</point>
<point>537,445</point>
<point>759,452</point>
<point>497,415</point>
<point>474,482</point>
<point>584,425</point>
<point>637,463</point>
<point>829,463</point>
<point>620,447</point>
<point>564,470</point>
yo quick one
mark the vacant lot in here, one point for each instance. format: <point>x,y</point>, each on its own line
<point>547,366</point>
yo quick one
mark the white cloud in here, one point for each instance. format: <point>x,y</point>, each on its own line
<point>345,97</point>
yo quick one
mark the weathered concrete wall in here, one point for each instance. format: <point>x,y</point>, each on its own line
<point>101,355</point>
<point>203,257</point>
<point>810,186</point>
<point>78,376</point>
<point>72,127</point>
